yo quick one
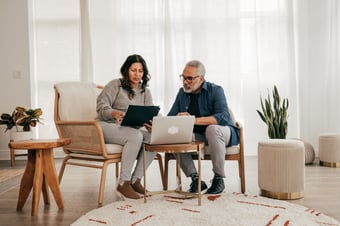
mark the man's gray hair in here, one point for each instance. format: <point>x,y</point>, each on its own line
<point>197,64</point>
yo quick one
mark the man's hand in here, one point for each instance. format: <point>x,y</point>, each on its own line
<point>204,121</point>
<point>183,113</point>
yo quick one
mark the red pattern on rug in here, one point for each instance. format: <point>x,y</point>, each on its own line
<point>257,209</point>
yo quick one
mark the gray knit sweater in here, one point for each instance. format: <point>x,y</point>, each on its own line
<point>114,97</point>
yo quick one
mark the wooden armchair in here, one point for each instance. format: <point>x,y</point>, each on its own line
<point>74,114</point>
<point>235,153</point>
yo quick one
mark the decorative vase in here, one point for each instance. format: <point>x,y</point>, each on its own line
<point>20,135</point>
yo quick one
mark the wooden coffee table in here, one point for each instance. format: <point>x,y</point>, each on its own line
<point>177,149</point>
<point>40,172</point>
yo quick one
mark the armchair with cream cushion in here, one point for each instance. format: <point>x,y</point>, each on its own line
<point>234,153</point>
<point>74,116</point>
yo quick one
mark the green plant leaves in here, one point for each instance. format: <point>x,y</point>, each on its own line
<point>8,120</point>
<point>21,116</point>
<point>275,115</point>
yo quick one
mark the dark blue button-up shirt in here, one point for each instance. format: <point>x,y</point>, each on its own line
<point>211,102</point>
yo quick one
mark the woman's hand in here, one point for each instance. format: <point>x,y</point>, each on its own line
<point>118,116</point>
<point>148,126</point>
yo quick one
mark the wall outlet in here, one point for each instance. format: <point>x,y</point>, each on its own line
<point>16,74</point>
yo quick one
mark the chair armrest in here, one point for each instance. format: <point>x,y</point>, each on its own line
<point>86,136</point>
<point>239,125</point>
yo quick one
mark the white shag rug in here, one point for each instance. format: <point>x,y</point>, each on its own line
<point>224,209</point>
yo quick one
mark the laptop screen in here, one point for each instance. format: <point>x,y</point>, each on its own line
<point>172,129</point>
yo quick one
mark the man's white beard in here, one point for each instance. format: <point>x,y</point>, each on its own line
<point>193,89</point>
<point>187,90</point>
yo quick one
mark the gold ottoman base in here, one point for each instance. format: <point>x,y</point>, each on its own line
<point>330,164</point>
<point>282,195</point>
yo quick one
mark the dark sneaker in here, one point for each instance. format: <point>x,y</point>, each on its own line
<point>194,186</point>
<point>217,186</point>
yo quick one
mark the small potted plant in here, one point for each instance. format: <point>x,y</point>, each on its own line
<point>21,116</point>
<point>274,114</point>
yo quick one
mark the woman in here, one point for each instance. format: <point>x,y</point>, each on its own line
<point>112,103</point>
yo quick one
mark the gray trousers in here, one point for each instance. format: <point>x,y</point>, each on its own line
<point>217,137</point>
<point>132,140</point>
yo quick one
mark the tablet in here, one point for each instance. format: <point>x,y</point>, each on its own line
<point>137,115</point>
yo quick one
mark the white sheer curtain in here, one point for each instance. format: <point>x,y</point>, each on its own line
<point>85,50</point>
<point>318,30</point>
<point>247,46</point>
<point>56,53</point>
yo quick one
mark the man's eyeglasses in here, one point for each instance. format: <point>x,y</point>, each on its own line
<point>188,78</point>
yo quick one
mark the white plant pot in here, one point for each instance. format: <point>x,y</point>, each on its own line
<point>20,135</point>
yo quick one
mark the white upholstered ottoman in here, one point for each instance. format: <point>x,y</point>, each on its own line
<point>281,168</point>
<point>329,149</point>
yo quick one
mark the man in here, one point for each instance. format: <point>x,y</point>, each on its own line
<point>213,124</point>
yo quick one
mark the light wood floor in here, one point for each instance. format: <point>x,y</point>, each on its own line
<point>80,189</point>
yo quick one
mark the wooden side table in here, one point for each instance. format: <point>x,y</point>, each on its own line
<point>40,172</point>
<point>177,149</point>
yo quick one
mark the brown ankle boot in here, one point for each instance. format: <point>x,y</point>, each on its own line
<point>138,187</point>
<point>127,191</point>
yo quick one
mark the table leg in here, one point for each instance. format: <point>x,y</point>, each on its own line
<point>178,172</point>
<point>51,177</point>
<point>37,181</point>
<point>144,170</point>
<point>26,180</point>
<point>45,192</point>
<point>12,157</point>
<point>199,176</point>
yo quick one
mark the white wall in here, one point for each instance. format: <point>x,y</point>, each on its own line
<point>14,62</point>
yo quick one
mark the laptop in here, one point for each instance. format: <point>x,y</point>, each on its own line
<point>172,129</point>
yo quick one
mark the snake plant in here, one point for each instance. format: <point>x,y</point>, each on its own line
<point>274,114</point>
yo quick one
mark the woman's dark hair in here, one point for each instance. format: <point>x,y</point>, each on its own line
<point>124,70</point>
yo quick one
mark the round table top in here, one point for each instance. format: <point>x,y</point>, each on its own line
<point>39,143</point>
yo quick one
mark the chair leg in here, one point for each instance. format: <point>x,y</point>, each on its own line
<point>117,169</point>
<point>242,175</point>
<point>62,168</point>
<point>161,169</point>
<point>102,184</point>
